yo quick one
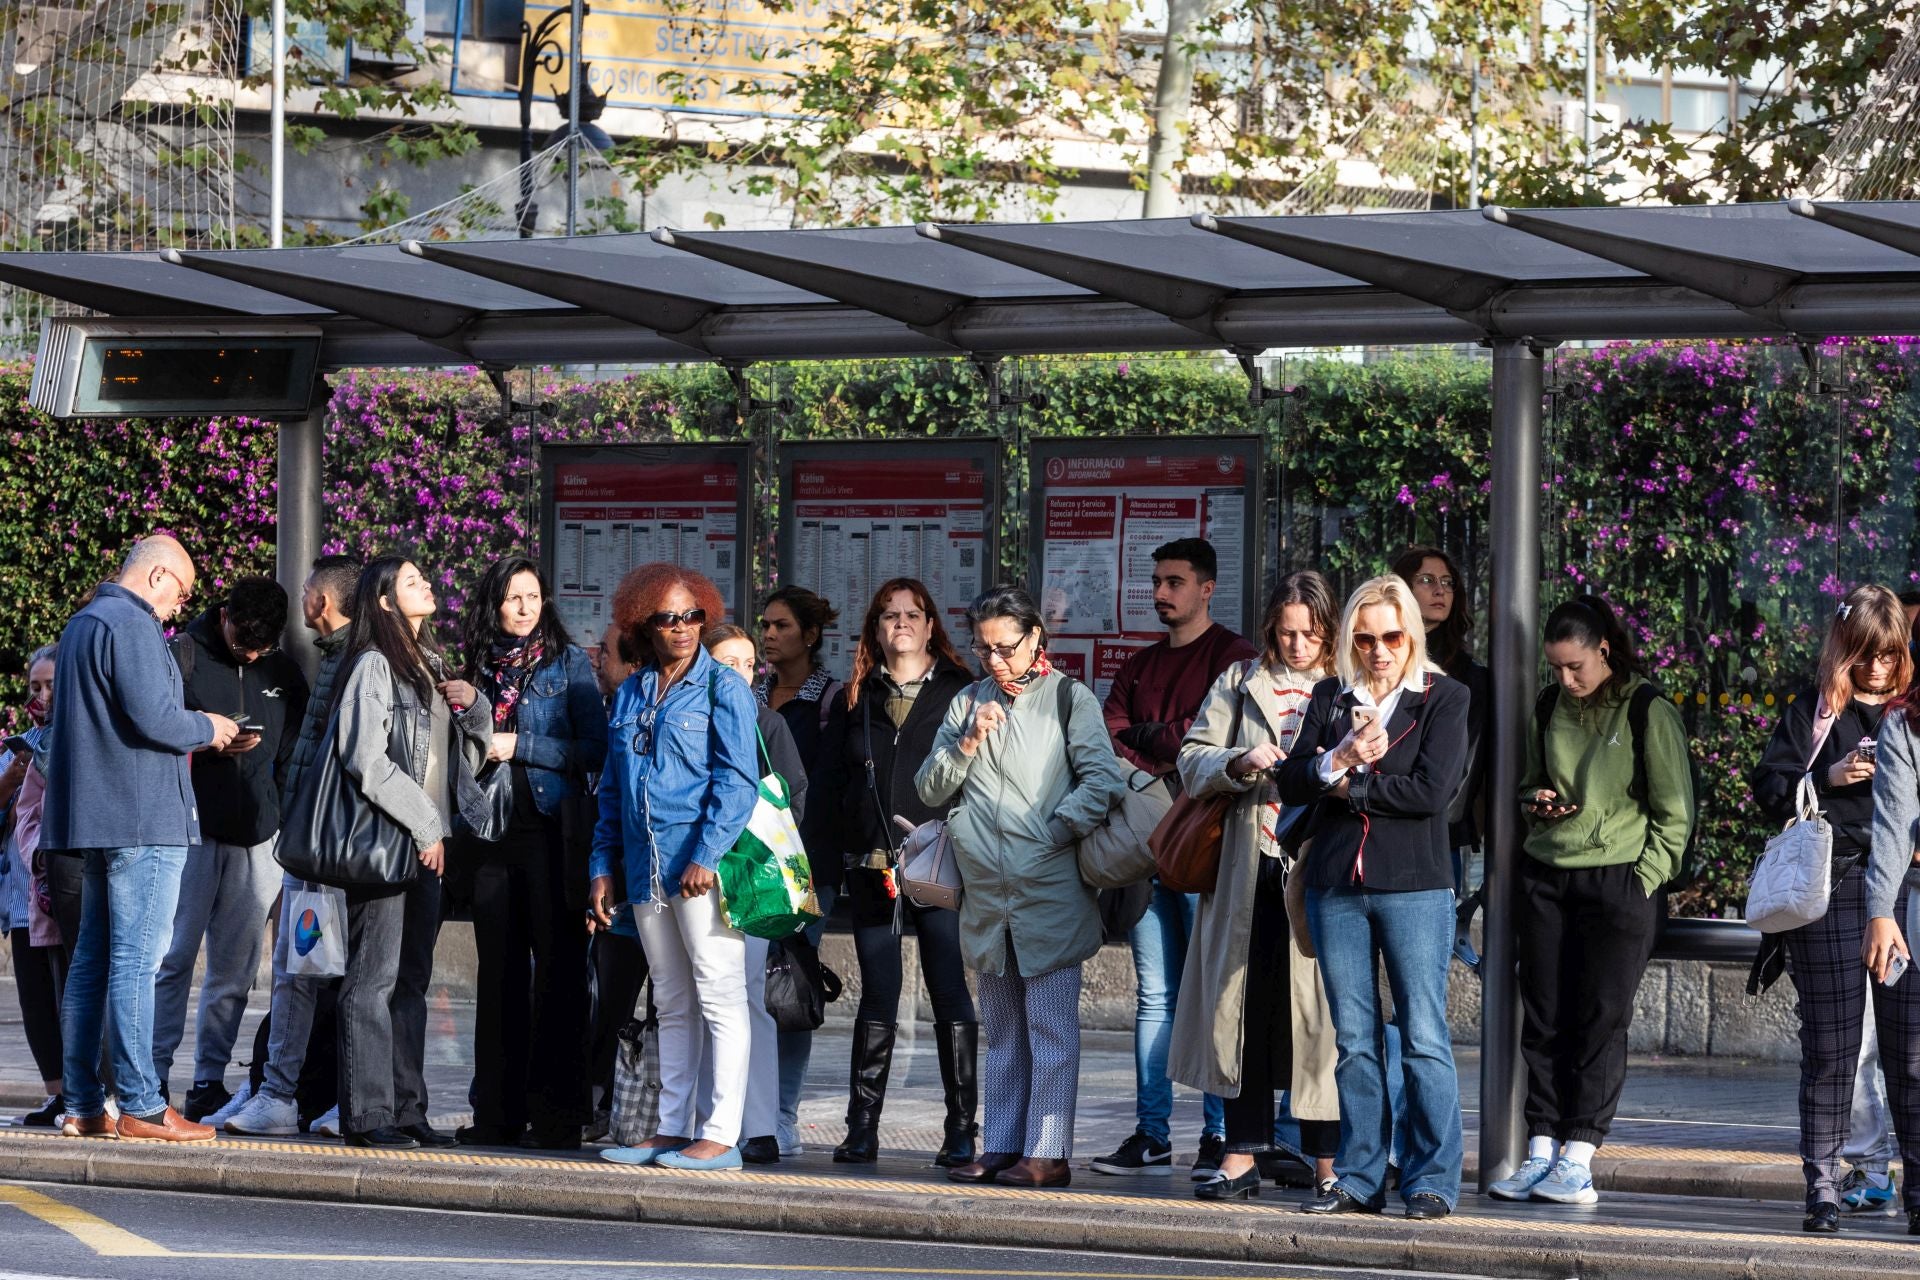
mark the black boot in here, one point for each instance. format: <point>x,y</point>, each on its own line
<point>866,1090</point>
<point>959,1044</point>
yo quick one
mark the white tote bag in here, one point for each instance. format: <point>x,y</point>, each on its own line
<point>316,921</point>
<point>1792,879</point>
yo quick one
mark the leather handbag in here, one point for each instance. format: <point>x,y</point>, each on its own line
<point>929,873</point>
<point>1186,845</point>
<point>495,785</point>
<point>332,834</point>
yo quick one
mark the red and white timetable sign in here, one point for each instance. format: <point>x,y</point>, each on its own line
<point>608,517</point>
<point>854,521</point>
<point>1101,514</point>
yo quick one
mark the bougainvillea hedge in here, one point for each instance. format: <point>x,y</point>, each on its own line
<point>1695,484</point>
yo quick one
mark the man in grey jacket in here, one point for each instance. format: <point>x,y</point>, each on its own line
<point>119,795</point>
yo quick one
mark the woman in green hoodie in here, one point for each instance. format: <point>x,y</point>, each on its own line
<point>1609,800</point>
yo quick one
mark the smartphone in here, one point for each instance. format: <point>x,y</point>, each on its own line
<point>18,745</point>
<point>1895,968</point>
<point>1866,749</point>
<point>245,722</point>
<point>1364,719</point>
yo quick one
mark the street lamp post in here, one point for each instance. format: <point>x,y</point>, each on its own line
<point>540,51</point>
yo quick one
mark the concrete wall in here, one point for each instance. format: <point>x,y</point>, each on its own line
<point>1683,1007</point>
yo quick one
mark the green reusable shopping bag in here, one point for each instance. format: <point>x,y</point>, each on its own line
<point>766,884</point>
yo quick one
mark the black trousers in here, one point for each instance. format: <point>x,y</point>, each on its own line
<point>1833,986</point>
<point>881,974</point>
<point>532,1006</point>
<point>39,975</point>
<point>1585,937</point>
<point>1266,1052</point>
<point>619,975</point>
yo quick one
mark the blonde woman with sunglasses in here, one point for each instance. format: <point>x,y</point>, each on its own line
<point>1380,756</point>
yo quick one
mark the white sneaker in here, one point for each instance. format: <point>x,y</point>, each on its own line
<point>1519,1184</point>
<point>219,1118</point>
<point>1569,1183</point>
<point>265,1116</point>
<point>328,1125</point>
<point>789,1139</point>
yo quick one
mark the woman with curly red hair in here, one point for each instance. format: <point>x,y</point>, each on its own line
<point>681,777</point>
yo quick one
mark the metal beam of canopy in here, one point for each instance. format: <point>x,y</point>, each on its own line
<point>1893,223</point>
<point>1757,257</point>
<point>629,277</point>
<point>381,283</point>
<point>1448,259</point>
<point>890,271</point>
<point>140,284</point>
<point>1164,265</point>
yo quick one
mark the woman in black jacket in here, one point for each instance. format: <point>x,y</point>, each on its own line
<point>1828,734</point>
<point>1440,591</point>
<point>1381,755</point>
<point>905,673</point>
<point>533,1007</point>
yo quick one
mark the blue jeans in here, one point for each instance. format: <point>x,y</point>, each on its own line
<point>127,905</point>
<point>1159,943</point>
<point>1354,930</point>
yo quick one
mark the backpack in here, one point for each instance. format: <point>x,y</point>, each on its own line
<point>1692,861</point>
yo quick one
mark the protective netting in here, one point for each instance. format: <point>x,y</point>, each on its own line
<point>534,195</point>
<point>1390,162</point>
<point>1875,155</point>
<point>116,131</point>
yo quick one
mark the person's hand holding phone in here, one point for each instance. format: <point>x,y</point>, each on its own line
<point>243,742</point>
<point>1884,949</point>
<point>1547,805</point>
<point>1365,742</point>
<point>1850,769</point>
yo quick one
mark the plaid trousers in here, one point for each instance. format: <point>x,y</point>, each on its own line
<point>1832,983</point>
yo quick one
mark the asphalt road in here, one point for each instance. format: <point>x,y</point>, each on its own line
<point>104,1234</point>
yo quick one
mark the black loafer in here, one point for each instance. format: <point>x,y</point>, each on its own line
<point>1424,1206</point>
<point>428,1136</point>
<point>387,1138</point>
<point>1913,1222</point>
<point>1244,1186</point>
<point>765,1150</point>
<point>1338,1201</point>
<point>1823,1218</point>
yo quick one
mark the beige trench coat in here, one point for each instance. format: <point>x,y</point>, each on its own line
<point>1209,1019</point>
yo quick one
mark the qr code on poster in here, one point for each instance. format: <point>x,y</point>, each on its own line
<point>723,558</point>
<point>966,557</point>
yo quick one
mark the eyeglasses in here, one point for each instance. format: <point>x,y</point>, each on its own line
<point>1429,580</point>
<point>186,592</point>
<point>1394,640</point>
<point>1890,657</point>
<point>666,621</point>
<point>1003,652</point>
<point>893,618</point>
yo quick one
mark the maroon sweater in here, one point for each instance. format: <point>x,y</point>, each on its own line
<point>1159,692</point>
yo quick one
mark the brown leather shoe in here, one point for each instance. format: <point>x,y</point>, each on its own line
<point>1036,1172</point>
<point>100,1126</point>
<point>171,1127</point>
<point>986,1168</point>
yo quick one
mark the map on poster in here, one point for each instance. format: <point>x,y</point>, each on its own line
<point>854,516</point>
<point>609,510</point>
<point>1102,506</point>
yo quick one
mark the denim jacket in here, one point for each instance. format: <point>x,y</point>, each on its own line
<point>562,723</point>
<point>383,737</point>
<point>681,776</point>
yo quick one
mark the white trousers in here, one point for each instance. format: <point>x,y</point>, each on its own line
<point>699,974</point>
<point>763,1071</point>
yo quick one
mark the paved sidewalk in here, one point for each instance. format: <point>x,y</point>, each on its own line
<point>1688,1125</point>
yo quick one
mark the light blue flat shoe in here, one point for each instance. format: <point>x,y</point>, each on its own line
<point>728,1159</point>
<point>637,1155</point>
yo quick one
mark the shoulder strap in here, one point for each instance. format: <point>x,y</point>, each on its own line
<point>1823,723</point>
<point>1638,709</point>
<point>826,701</point>
<point>1063,699</point>
<point>183,647</point>
<point>1543,707</point>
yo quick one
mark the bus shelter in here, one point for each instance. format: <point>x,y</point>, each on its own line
<point>1518,281</point>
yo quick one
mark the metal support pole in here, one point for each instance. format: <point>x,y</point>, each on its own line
<point>1514,625</point>
<point>297,537</point>
<point>575,21</point>
<point>1589,92</point>
<point>277,131</point>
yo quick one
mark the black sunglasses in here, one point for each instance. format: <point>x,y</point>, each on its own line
<point>666,621</point>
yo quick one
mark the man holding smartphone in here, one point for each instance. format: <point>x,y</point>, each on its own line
<point>230,660</point>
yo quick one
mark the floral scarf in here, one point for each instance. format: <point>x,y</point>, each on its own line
<point>1040,670</point>
<point>503,676</point>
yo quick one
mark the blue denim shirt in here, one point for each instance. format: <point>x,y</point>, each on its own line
<point>562,723</point>
<point>681,776</point>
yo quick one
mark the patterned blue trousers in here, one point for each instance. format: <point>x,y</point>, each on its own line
<point>1033,1061</point>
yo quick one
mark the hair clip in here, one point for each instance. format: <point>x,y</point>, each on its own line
<point>1844,612</point>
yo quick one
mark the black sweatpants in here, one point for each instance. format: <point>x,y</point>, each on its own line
<point>532,1008</point>
<point>1585,937</point>
<point>1832,983</point>
<point>39,976</point>
<point>1266,1042</point>
<point>619,975</point>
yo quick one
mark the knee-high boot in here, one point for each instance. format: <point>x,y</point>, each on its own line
<point>866,1092</point>
<point>959,1044</point>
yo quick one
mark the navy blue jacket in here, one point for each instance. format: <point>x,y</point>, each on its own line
<point>118,775</point>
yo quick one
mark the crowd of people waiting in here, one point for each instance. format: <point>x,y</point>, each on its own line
<point>578,802</point>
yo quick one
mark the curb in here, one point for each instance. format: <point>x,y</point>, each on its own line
<point>897,1209</point>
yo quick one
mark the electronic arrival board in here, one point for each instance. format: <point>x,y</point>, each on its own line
<point>1101,506</point>
<point>610,508</point>
<point>854,514</point>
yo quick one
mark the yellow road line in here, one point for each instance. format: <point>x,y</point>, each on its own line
<point>96,1233</point>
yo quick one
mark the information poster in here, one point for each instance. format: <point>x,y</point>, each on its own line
<point>1100,507</point>
<point>856,514</point>
<point>609,509</point>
